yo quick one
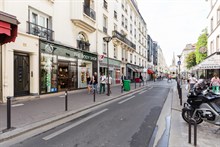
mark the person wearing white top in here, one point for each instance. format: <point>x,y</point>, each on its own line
<point>102,83</point>
<point>109,82</point>
<point>192,81</point>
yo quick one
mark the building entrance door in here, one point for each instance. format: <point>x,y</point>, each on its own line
<point>21,74</point>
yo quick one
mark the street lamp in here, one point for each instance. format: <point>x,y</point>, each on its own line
<point>107,40</point>
<point>179,63</point>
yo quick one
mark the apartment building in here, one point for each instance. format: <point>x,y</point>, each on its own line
<point>213,27</point>
<point>162,66</point>
<point>212,63</point>
<point>188,49</point>
<point>121,20</point>
<point>60,43</point>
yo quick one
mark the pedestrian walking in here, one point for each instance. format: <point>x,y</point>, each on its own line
<point>122,80</point>
<point>102,83</point>
<point>95,81</point>
<point>141,78</point>
<point>192,81</point>
<point>109,82</point>
<point>215,82</point>
<point>89,82</point>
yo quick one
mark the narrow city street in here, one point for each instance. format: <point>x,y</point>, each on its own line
<point>127,122</point>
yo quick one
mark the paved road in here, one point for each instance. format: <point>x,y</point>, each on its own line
<point>127,122</point>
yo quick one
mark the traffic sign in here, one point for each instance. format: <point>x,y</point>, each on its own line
<point>179,62</point>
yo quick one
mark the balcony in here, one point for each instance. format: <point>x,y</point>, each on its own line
<point>83,45</point>
<point>40,31</point>
<point>119,36</point>
<point>89,12</point>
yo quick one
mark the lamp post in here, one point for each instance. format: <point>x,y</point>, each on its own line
<point>107,40</point>
<point>179,63</point>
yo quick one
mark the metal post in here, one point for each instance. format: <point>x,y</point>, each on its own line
<point>195,132</point>
<point>108,71</point>
<point>189,129</point>
<point>66,100</point>
<point>122,88</point>
<point>139,83</point>
<point>9,112</point>
<point>135,84</point>
<point>94,93</point>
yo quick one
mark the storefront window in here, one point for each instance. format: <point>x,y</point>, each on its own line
<point>84,68</point>
<point>48,73</point>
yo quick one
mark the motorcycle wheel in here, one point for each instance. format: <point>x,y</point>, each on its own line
<point>185,116</point>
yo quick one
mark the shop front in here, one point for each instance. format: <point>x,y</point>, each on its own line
<point>64,68</point>
<point>114,69</point>
<point>209,66</point>
<point>133,71</point>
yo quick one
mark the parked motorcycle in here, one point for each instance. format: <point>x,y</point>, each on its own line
<point>202,105</point>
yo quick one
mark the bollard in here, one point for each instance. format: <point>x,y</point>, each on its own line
<point>94,94</point>
<point>181,100</point>
<point>192,121</point>
<point>9,112</point>
<point>66,100</point>
<point>122,88</point>
<point>143,83</point>
<point>135,84</point>
<point>139,83</point>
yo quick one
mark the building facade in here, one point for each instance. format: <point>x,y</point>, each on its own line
<point>56,51</point>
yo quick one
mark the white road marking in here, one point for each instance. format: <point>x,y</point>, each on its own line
<point>126,100</point>
<point>143,91</point>
<point>73,125</point>
<point>150,88</point>
<point>62,96</point>
<point>17,105</point>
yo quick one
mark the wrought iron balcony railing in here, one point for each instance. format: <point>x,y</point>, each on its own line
<point>40,31</point>
<point>90,12</point>
<point>83,45</point>
<point>116,34</point>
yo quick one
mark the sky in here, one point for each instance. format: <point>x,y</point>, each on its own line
<point>174,23</point>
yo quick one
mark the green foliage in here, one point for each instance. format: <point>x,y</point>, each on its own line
<point>190,60</point>
<point>201,43</point>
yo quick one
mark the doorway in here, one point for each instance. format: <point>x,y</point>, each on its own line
<point>67,75</point>
<point>21,74</point>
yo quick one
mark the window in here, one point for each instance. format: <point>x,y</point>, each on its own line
<point>211,47</point>
<point>142,62</point>
<point>131,28</point>
<point>211,24</point>
<point>123,54</point>
<point>139,61</point>
<point>126,7</point>
<point>139,49</point>
<point>218,16</point>
<point>115,51</point>
<point>135,59</point>
<point>130,58</point>
<point>39,24</point>
<point>134,33</point>
<point>105,4</point>
<point>217,43</point>
<point>131,14</point>
<point>104,47</point>
<point>122,20</point>
<point>126,55</point>
<point>126,23</point>
<point>105,23</point>
<point>115,15</point>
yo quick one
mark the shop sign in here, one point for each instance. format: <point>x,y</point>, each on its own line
<point>212,62</point>
<point>87,57</point>
<point>111,62</point>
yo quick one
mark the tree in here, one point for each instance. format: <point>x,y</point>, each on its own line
<point>201,47</point>
<point>190,60</point>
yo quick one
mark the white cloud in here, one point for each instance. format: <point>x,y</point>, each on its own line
<point>174,23</point>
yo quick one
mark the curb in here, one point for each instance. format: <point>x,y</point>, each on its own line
<point>31,127</point>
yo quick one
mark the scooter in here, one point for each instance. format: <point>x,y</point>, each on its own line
<point>202,105</point>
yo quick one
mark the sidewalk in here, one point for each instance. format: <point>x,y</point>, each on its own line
<point>28,112</point>
<point>206,133</point>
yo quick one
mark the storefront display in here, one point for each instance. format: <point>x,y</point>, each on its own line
<point>64,68</point>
